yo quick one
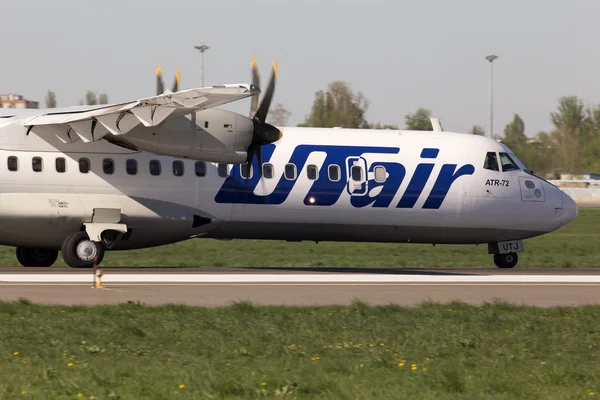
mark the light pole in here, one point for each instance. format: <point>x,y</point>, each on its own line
<point>491,59</point>
<point>202,49</point>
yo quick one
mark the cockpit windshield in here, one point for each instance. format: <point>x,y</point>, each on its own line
<point>507,163</point>
<point>491,161</point>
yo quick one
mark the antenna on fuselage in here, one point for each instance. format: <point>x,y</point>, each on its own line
<point>436,124</point>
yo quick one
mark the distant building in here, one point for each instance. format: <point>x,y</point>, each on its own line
<point>579,176</point>
<point>16,101</point>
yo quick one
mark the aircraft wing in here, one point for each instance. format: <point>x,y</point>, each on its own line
<point>93,123</point>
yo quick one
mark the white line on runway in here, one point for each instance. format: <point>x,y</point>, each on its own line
<point>297,279</point>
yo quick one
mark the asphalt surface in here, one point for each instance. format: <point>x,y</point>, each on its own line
<point>301,286</point>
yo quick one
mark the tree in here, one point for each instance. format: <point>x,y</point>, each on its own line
<point>90,98</point>
<point>419,121</point>
<point>514,134</point>
<point>477,130</point>
<point>50,99</point>
<point>569,121</point>
<point>338,107</point>
<point>379,125</point>
<point>103,99</point>
<point>278,115</point>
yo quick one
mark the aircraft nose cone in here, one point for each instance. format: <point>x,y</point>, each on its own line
<point>570,209</point>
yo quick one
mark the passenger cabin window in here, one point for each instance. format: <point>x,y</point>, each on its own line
<point>108,166</point>
<point>61,164</point>
<point>200,168</point>
<point>84,165</point>
<point>177,168</point>
<point>155,167</point>
<point>312,172</point>
<point>334,173</point>
<point>290,172</point>
<point>380,174</point>
<point>12,163</point>
<point>131,167</point>
<point>491,162</point>
<point>246,171</point>
<point>357,173</point>
<point>36,164</point>
<point>268,171</point>
<point>507,163</point>
<point>223,170</point>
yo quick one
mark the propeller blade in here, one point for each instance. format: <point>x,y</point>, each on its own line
<point>160,86</point>
<point>176,83</point>
<point>255,82</point>
<point>263,109</point>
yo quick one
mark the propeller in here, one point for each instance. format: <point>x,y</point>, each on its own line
<point>264,133</point>
<point>160,85</point>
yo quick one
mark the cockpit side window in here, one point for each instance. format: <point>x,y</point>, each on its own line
<point>491,162</point>
<point>507,163</point>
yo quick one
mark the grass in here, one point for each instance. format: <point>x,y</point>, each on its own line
<point>454,351</point>
<point>573,246</point>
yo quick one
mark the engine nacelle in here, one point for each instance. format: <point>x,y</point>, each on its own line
<point>209,135</point>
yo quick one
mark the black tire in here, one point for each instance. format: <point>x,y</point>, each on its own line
<point>36,257</point>
<point>506,260</point>
<point>79,244</point>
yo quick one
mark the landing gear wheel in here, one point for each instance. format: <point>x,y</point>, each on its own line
<point>34,257</point>
<point>506,260</point>
<point>79,251</point>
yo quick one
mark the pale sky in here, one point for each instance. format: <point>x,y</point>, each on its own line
<point>402,55</point>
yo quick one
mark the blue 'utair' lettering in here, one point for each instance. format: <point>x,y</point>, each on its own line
<point>387,190</point>
<point>442,185</point>
<point>324,192</point>
<point>419,179</point>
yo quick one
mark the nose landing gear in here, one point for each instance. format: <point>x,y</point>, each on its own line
<point>506,260</point>
<point>505,253</point>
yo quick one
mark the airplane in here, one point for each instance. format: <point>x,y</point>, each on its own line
<point>89,179</point>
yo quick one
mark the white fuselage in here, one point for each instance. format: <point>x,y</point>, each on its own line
<point>421,187</point>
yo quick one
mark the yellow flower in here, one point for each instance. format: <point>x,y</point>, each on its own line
<point>425,369</point>
<point>16,353</point>
<point>413,367</point>
<point>371,345</point>
<point>401,364</point>
<point>73,356</point>
<point>395,355</point>
<point>330,347</point>
<point>316,358</point>
<point>182,386</point>
<point>387,351</point>
<point>23,393</point>
<point>592,393</point>
<point>69,364</point>
<point>92,398</point>
<point>80,395</point>
<point>543,363</point>
<point>403,361</point>
<point>179,342</point>
<point>25,363</point>
<point>381,344</point>
<point>264,383</point>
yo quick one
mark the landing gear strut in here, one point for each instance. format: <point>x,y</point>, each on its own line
<point>79,251</point>
<point>508,260</point>
<point>35,257</point>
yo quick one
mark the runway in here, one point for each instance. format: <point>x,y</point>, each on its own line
<point>221,286</point>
